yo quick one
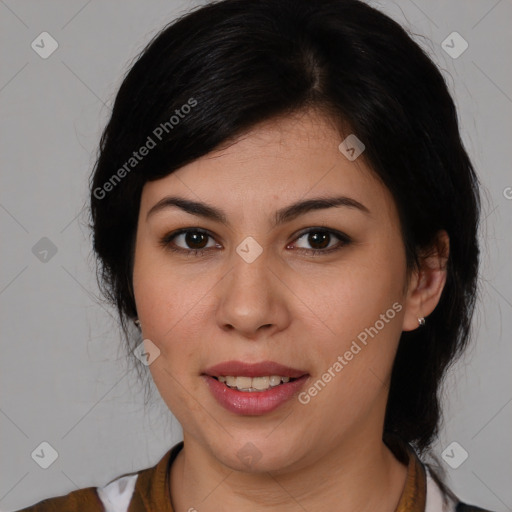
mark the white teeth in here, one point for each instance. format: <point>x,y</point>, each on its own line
<point>253,384</point>
<point>260,383</point>
<point>243,382</point>
<point>275,380</point>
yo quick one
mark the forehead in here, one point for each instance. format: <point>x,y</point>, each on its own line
<point>283,159</point>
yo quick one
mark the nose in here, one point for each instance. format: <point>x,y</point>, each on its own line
<point>253,300</point>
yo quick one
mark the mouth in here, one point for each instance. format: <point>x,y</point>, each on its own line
<point>236,373</point>
<point>253,389</point>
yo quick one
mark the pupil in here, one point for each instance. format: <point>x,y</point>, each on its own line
<point>193,239</point>
<point>322,238</point>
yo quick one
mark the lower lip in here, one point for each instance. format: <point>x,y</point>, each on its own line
<point>255,402</point>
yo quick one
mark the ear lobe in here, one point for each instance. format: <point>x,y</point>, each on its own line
<point>427,282</point>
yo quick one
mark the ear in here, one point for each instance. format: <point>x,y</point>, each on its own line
<point>427,282</point>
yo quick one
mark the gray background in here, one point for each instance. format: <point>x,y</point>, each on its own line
<point>63,376</point>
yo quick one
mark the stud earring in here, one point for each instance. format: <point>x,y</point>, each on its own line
<point>137,323</point>
<point>421,321</point>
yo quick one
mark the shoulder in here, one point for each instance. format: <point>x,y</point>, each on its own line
<point>113,497</point>
<point>117,495</point>
<point>145,490</point>
<point>81,499</point>
<point>441,499</point>
<point>463,507</point>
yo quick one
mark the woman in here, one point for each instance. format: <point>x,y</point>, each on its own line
<point>283,206</point>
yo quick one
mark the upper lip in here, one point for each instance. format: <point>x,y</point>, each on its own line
<point>262,369</point>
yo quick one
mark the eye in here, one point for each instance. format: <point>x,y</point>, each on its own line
<point>320,240</point>
<point>188,241</point>
<point>194,242</point>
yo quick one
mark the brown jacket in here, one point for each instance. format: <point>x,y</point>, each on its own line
<point>148,491</point>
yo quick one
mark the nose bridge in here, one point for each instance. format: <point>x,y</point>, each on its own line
<point>250,297</point>
<point>251,273</point>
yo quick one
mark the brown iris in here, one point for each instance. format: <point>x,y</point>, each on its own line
<point>193,239</point>
<point>319,237</point>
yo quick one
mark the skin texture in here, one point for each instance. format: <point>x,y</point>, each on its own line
<point>288,306</point>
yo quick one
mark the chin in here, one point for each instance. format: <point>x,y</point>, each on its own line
<point>258,454</point>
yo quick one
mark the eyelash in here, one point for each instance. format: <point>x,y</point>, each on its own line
<point>166,242</point>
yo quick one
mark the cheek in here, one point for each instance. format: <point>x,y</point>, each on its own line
<point>354,294</point>
<point>180,393</point>
<point>174,306</point>
<point>169,309</point>
<point>165,297</point>
<point>361,311</point>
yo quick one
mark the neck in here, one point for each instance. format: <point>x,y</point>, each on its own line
<point>360,474</point>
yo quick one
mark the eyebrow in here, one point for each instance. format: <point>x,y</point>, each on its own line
<point>283,215</point>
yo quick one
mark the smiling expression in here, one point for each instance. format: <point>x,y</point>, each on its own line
<point>276,248</point>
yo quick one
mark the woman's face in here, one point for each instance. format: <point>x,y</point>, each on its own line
<point>257,294</point>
